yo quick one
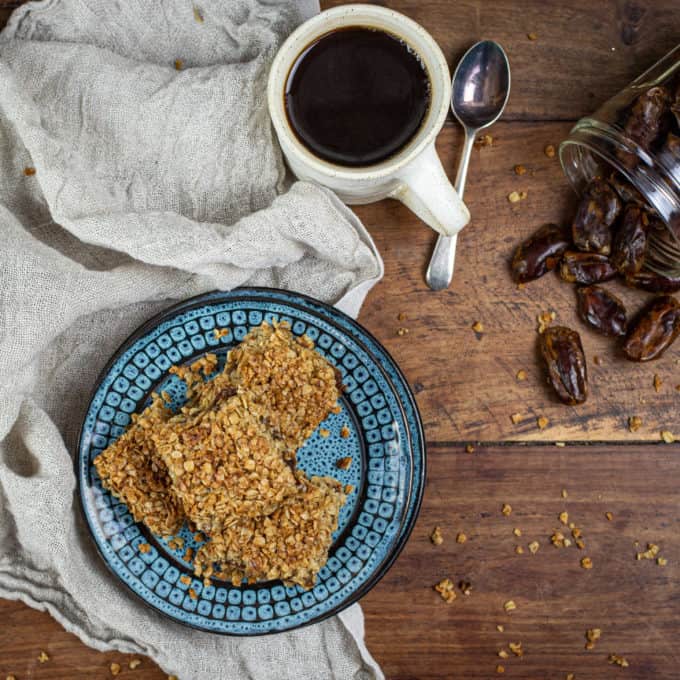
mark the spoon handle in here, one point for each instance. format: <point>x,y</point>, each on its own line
<point>440,271</point>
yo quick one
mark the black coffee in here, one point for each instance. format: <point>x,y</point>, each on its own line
<point>356,96</point>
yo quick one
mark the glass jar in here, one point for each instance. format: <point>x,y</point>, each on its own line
<point>634,139</point>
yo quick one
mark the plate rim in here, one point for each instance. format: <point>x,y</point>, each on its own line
<point>417,486</point>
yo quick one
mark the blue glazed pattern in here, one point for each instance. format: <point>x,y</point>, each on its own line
<point>385,443</point>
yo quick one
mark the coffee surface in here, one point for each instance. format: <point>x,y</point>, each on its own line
<point>356,96</point>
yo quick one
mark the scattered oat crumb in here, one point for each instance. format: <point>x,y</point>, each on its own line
<point>188,555</point>
<point>401,316</point>
<point>484,140</point>
<point>542,422</point>
<point>198,15</point>
<point>336,409</point>
<point>11,677</point>
<point>478,327</point>
<point>192,594</point>
<point>29,172</point>
<point>465,587</point>
<point>520,170</point>
<point>179,64</point>
<point>114,668</point>
<point>618,660</point>
<point>517,196</point>
<point>533,547</point>
<point>609,516</point>
<point>344,432</point>
<point>500,669</point>
<point>564,517</point>
<point>544,319</point>
<point>586,563</point>
<point>649,554</point>
<point>176,543</point>
<point>677,387</point>
<point>436,536</point>
<point>559,540</point>
<point>349,488</point>
<point>592,636</point>
<point>324,433</point>
<point>144,548</point>
<point>667,436</point>
<point>500,628</point>
<point>521,375</point>
<point>517,531</point>
<point>469,449</point>
<point>549,151</point>
<point>344,463</point>
<point>186,580</point>
<point>657,382</point>
<point>402,331</point>
<point>519,550</point>
<point>564,493</point>
<point>532,36</point>
<point>516,648</point>
<point>510,606</point>
<point>172,677</point>
<point>597,360</point>
<point>446,589</point>
<point>221,333</point>
<point>134,663</point>
<point>634,423</point>
<point>503,654</point>
<point>516,418</point>
<point>570,676</point>
<point>461,537</point>
<point>506,509</point>
<point>661,561</point>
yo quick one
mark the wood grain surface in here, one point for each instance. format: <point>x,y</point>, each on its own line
<point>466,389</point>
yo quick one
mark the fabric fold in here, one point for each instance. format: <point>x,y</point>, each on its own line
<point>138,167</point>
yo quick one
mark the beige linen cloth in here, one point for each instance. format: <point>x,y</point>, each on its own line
<point>152,183</point>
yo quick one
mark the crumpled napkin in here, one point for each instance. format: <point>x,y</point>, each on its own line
<point>138,166</point>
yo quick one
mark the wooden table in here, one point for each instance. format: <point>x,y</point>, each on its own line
<point>583,53</point>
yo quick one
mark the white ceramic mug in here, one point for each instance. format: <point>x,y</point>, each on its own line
<point>414,175</point>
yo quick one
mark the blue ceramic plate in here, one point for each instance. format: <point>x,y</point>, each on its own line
<point>385,443</point>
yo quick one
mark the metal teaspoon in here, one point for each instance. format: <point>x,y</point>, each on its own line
<point>479,92</point>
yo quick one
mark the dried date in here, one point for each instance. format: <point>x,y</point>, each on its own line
<point>654,331</point>
<point>601,310</point>
<point>586,268</point>
<point>566,363</point>
<point>626,191</point>
<point>654,283</point>
<point>630,241</point>
<point>540,253</point>
<point>645,122</point>
<point>597,211</point>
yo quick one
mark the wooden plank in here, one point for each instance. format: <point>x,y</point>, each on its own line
<point>417,636</point>
<point>584,53</point>
<point>465,382</point>
<point>25,633</point>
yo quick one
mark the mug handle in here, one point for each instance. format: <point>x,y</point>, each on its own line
<point>425,189</point>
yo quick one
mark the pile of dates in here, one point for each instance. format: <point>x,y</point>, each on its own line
<point>607,238</point>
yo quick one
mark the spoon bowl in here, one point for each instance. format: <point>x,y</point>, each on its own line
<point>481,85</point>
<point>479,92</point>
